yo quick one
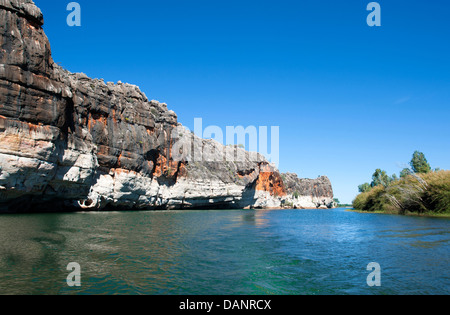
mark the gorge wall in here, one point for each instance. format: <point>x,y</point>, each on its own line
<point>69,142</point>
<point>308,193</point>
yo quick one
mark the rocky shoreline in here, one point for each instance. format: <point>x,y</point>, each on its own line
<point>71,143</point>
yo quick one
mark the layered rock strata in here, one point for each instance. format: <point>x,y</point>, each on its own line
<point>308,193</point>
<point>69,142</point>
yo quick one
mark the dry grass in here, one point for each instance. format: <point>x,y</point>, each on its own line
<point>421,194</point>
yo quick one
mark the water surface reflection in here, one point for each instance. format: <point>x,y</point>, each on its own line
<point>223,252</point>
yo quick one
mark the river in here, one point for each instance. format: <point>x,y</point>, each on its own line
<point>283,252</point>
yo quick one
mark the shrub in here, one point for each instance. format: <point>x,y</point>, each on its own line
<point>373,200</point>
<point>417,193</point>
<point>437,195</point>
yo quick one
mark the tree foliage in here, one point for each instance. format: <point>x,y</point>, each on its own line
<point>380,178</point>
<point>418,193</point>
<point>418,190</point>
<point>394,178</point>
<point>405,172</point>
<point>419,163</point>
<point>364,187</point>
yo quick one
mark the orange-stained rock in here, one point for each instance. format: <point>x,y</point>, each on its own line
<point>272,183</point>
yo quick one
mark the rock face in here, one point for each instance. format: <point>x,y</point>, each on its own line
<point>309,193</point>
<point>68,142</point>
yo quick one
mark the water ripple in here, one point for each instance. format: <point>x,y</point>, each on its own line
<point>223,252</point>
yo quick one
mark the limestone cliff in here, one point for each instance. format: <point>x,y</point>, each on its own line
<point>69,142</point>
<point>308,193</point>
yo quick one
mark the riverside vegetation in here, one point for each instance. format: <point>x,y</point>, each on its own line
<point>419,190</point>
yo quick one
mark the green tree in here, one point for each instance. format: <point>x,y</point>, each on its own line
<point>419,163</point>
<point>380,178</point>
<point>364,187</point>
<point>405,173</point>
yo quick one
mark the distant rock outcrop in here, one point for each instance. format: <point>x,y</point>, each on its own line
<point>69,142</point>
<point>309,193</point>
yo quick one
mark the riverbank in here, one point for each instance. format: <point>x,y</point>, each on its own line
<point>410,214</point>
<point>417,194</point>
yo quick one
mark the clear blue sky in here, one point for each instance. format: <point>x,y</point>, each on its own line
<point>348,98</point>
